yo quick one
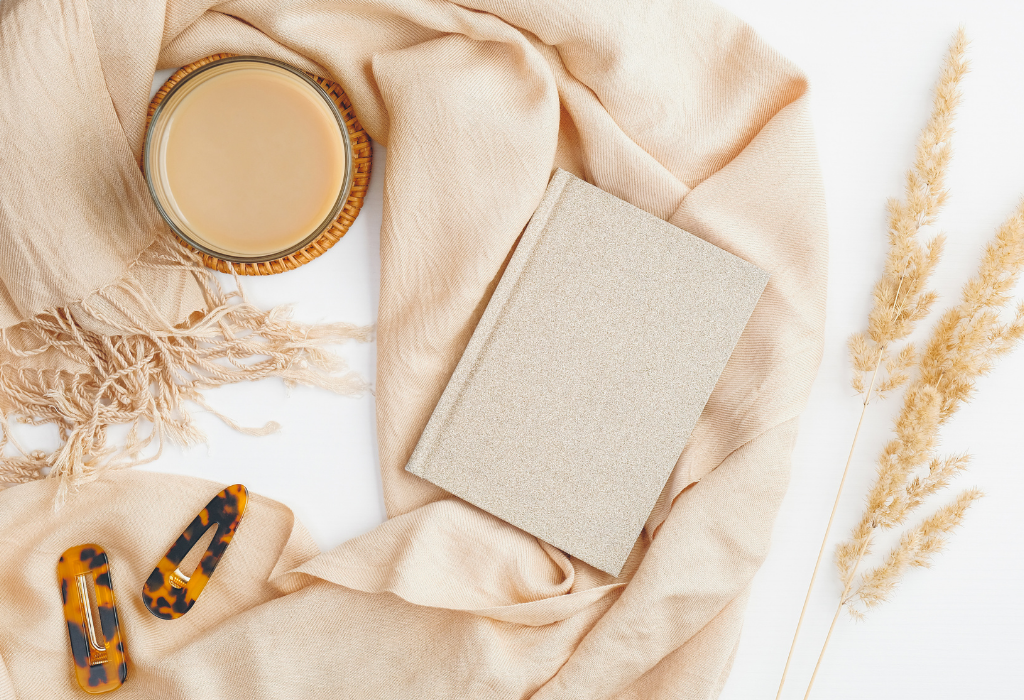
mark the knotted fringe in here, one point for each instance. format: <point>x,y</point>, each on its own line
<point>145,372</point>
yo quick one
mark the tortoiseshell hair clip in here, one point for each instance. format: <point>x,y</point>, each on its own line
<point>98,649</point>
<point>168,592</point>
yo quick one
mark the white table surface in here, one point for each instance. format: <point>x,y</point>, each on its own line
<point>953,631</point>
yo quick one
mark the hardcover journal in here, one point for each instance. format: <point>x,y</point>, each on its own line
<point>587,372</point>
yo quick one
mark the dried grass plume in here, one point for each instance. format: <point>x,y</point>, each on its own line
<point>964,344</point>
<point>901,296</point>
<point>881,356</point>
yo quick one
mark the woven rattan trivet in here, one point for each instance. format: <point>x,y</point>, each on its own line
<point>362,156</point>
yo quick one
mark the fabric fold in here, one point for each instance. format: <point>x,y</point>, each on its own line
<point>453,556</point>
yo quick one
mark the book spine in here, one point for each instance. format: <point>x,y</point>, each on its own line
<point>419,462</point>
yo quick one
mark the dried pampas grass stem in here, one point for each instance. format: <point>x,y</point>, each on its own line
<point>965,343</point>
<point>901,296</point>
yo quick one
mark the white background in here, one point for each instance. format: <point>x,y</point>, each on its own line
<point>953,631</point>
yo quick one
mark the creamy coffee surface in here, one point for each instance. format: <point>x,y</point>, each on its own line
<point>254,160</point>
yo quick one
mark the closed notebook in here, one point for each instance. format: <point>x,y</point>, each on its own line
<point>587,372</point>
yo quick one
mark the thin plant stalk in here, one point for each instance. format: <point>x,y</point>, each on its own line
<point>843,599</point>
<point>828,530</point>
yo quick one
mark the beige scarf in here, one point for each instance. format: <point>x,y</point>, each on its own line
<point>674,106</point>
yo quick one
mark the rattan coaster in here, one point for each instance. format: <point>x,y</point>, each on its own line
<point>362,157</point>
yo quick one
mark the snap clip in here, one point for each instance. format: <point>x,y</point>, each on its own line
<point>168,592</point>
<point>91,615</point>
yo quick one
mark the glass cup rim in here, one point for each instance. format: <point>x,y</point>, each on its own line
<point>346,185</point>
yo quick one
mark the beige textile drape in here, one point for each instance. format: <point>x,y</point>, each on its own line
<point>673,105</point>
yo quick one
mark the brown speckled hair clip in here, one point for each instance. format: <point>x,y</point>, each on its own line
<point>168,592</point>
<point>85,588</point>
